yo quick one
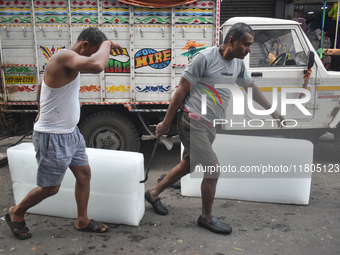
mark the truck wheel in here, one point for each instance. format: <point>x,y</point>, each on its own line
<point>110,130</point>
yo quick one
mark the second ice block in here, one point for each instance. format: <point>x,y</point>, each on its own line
<point>116,195</point>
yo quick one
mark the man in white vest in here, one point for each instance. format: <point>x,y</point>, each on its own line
<point>56,137</point>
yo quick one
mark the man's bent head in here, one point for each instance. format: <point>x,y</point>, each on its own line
<point>92,35</point>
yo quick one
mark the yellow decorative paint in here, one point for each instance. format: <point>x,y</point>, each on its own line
<point>324,88</point>
<point>85,25</point>
<point>120,88</point>
<point>115,25</point>
<point>149,26</point>
<point>270,89</point>
<point>192,26</point>
<point>43,25</point>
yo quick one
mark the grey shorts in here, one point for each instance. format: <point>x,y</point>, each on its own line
<point>197,138</point>
<point>55,153</point>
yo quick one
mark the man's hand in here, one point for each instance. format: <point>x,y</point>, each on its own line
<point>279,117</point>
<point>116,49</point>
<point>162,129</point>
<point>183,90</point>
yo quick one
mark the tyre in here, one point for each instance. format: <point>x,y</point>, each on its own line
<point>110,130</point>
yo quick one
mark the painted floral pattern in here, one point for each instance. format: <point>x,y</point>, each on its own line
<point>159,88</point>
<point>90,88</point>
<point>120,88</point>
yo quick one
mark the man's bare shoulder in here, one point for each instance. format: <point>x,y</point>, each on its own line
<point>61,58</point>
<point>64,54</point>
<point>57,73</point>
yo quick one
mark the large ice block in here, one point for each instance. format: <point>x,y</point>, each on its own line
<point>259,169</point>
<point>116,195</point>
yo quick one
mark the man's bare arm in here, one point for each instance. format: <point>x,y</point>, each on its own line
<point>91,64</point>
<point>259,98</point>
<point>181,93</point>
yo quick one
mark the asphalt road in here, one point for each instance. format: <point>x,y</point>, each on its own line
<point>258,228</point>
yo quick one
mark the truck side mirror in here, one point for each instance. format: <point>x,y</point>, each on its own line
<point>310,59</point>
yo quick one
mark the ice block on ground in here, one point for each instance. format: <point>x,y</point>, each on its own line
<point>116,195</point>
<point>262,169</point>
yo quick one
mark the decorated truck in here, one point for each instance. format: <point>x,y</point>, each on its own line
<point>132,94</point>
<point>157,42</point>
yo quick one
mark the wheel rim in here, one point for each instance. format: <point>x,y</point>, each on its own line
<point>106,138</point>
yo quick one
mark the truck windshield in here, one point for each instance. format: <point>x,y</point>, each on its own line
<point>277,48</point>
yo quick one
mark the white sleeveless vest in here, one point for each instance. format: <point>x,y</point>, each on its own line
<point>59,108</point>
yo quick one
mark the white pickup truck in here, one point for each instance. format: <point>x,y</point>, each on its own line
<point>280,58</point>
<point>158,44</point>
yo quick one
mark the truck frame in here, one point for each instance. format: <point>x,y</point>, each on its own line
<point>157,42</point>
<point>133,92</point>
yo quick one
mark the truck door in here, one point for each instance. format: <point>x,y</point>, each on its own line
<point>278,60</point>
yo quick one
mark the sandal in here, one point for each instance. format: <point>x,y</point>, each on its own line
<point>19,226</point>
<point>91,227</point>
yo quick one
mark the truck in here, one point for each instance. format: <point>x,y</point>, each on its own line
<point>285,66</point>
<point>133,92</point>
<point>125,101</point>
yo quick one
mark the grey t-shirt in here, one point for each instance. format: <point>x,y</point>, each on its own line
<point>206,69</point>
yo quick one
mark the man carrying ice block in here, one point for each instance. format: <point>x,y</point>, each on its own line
<point>56,138</point>
<point>215,65</point>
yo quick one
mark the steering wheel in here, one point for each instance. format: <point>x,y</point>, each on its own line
<point>280,60</point>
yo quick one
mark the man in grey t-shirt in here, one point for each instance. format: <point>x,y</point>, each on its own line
<point>207,69</point>
<point>214,65</point>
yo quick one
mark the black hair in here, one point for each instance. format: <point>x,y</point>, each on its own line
<point>238,31</point>
<point>93,35</point>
